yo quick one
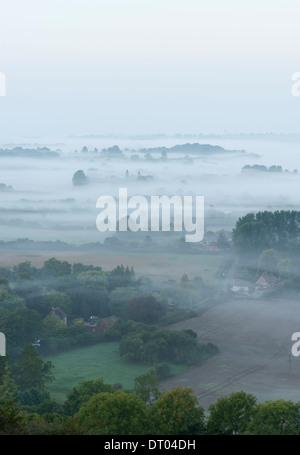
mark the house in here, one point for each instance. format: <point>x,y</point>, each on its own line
<point>101,326</point>
<point>210,246</point>
<point>241,287</point>
<point>59,314</point>
<point>265,281</point>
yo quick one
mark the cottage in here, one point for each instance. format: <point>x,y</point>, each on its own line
<point>265,281</point>
<point>101,326</point>
<point>59,314</point>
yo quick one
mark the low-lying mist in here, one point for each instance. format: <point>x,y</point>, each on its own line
<point>39,201</point>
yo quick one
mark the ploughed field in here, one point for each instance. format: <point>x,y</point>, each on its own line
<point>254,338</point>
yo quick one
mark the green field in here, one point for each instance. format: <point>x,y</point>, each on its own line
<point>92,362</point>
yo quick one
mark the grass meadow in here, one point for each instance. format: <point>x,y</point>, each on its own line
<point>93,362</point>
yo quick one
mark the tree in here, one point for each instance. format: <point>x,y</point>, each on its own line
<point>249,234</point>
<point>11,419</point>
<point>93,278</point>
<point>268,261</point>
<point>145,309</point>
<point>118,299</point>
<point>232,414</point>
<point>25,269</point>
<point>184,281</point>
<point>176,413</point>
<point>21,326</point>
<point>8,387</point>
<point>83,392</point>
<point>79,178</point>
<point>222,241</point>
<point>285,267</point>
<point>33,372</point>
<point>87,301</point>
<point>78,267</point>
<point>146,387</point>
<point>279,230</point>
<point>119,413</point>
<point>54,267</point>
<point>33,397</point>
<point>279,417</point>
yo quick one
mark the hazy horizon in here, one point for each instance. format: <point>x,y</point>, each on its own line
<point>130,67</point>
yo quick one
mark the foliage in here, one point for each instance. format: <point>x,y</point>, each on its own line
<point>8,386</point>
<point>50,423</point>
<point>54,267</point>
<point>32,397</point>
<point>162,370</point>
<point>11,419</point>
<point>146,387</point>
<point>33,372</point>
<point>145,309</point>
<point>150,345</point>
<point>177,413</point>
<point>268,261</point>
<point>118,299</point>
<point>79,178</point>
<point>231,414</point>
<point>119,413</point>
<point>279,230</point>
<point>83,392</point>
<point>279,417</point>
<point>21,326</point>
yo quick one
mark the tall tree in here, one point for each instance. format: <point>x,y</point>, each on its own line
<point>83,392</point>
<point>146,387</point>
<point>33,372</point>
<point>177,412</point>
<point>231,414</point>
<point>279,417</point>
<point>119,413</point>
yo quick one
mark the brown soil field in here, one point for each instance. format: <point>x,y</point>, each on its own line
<point>254,338</point>
<point>158,266</point>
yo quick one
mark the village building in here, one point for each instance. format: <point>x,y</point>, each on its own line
<point>101,326</point>
<point>57,312</point>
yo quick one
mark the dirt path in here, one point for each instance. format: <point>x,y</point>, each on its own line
<point>254,338</point>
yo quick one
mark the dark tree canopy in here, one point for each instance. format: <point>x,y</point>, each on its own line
<point>266,230</point>
<point>144,308</point>
<point>79,178</point>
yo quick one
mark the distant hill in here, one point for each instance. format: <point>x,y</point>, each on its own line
<point>40,152</point>
<point>196,149</point>
<point>263,168</point>
<point>4,187</point>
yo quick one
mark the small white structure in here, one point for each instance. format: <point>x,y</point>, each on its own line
<point>2,85</point>
<point>241,287</point>
<point>2,344</point>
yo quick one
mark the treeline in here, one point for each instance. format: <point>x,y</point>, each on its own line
<point>269,243</point>
<point>97,408</point>
<point>146,344</point>
<point>256,232</point>
<point>263,168</point>
<point>55,307</point>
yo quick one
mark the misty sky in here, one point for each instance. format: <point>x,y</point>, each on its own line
<point>148,66</point>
